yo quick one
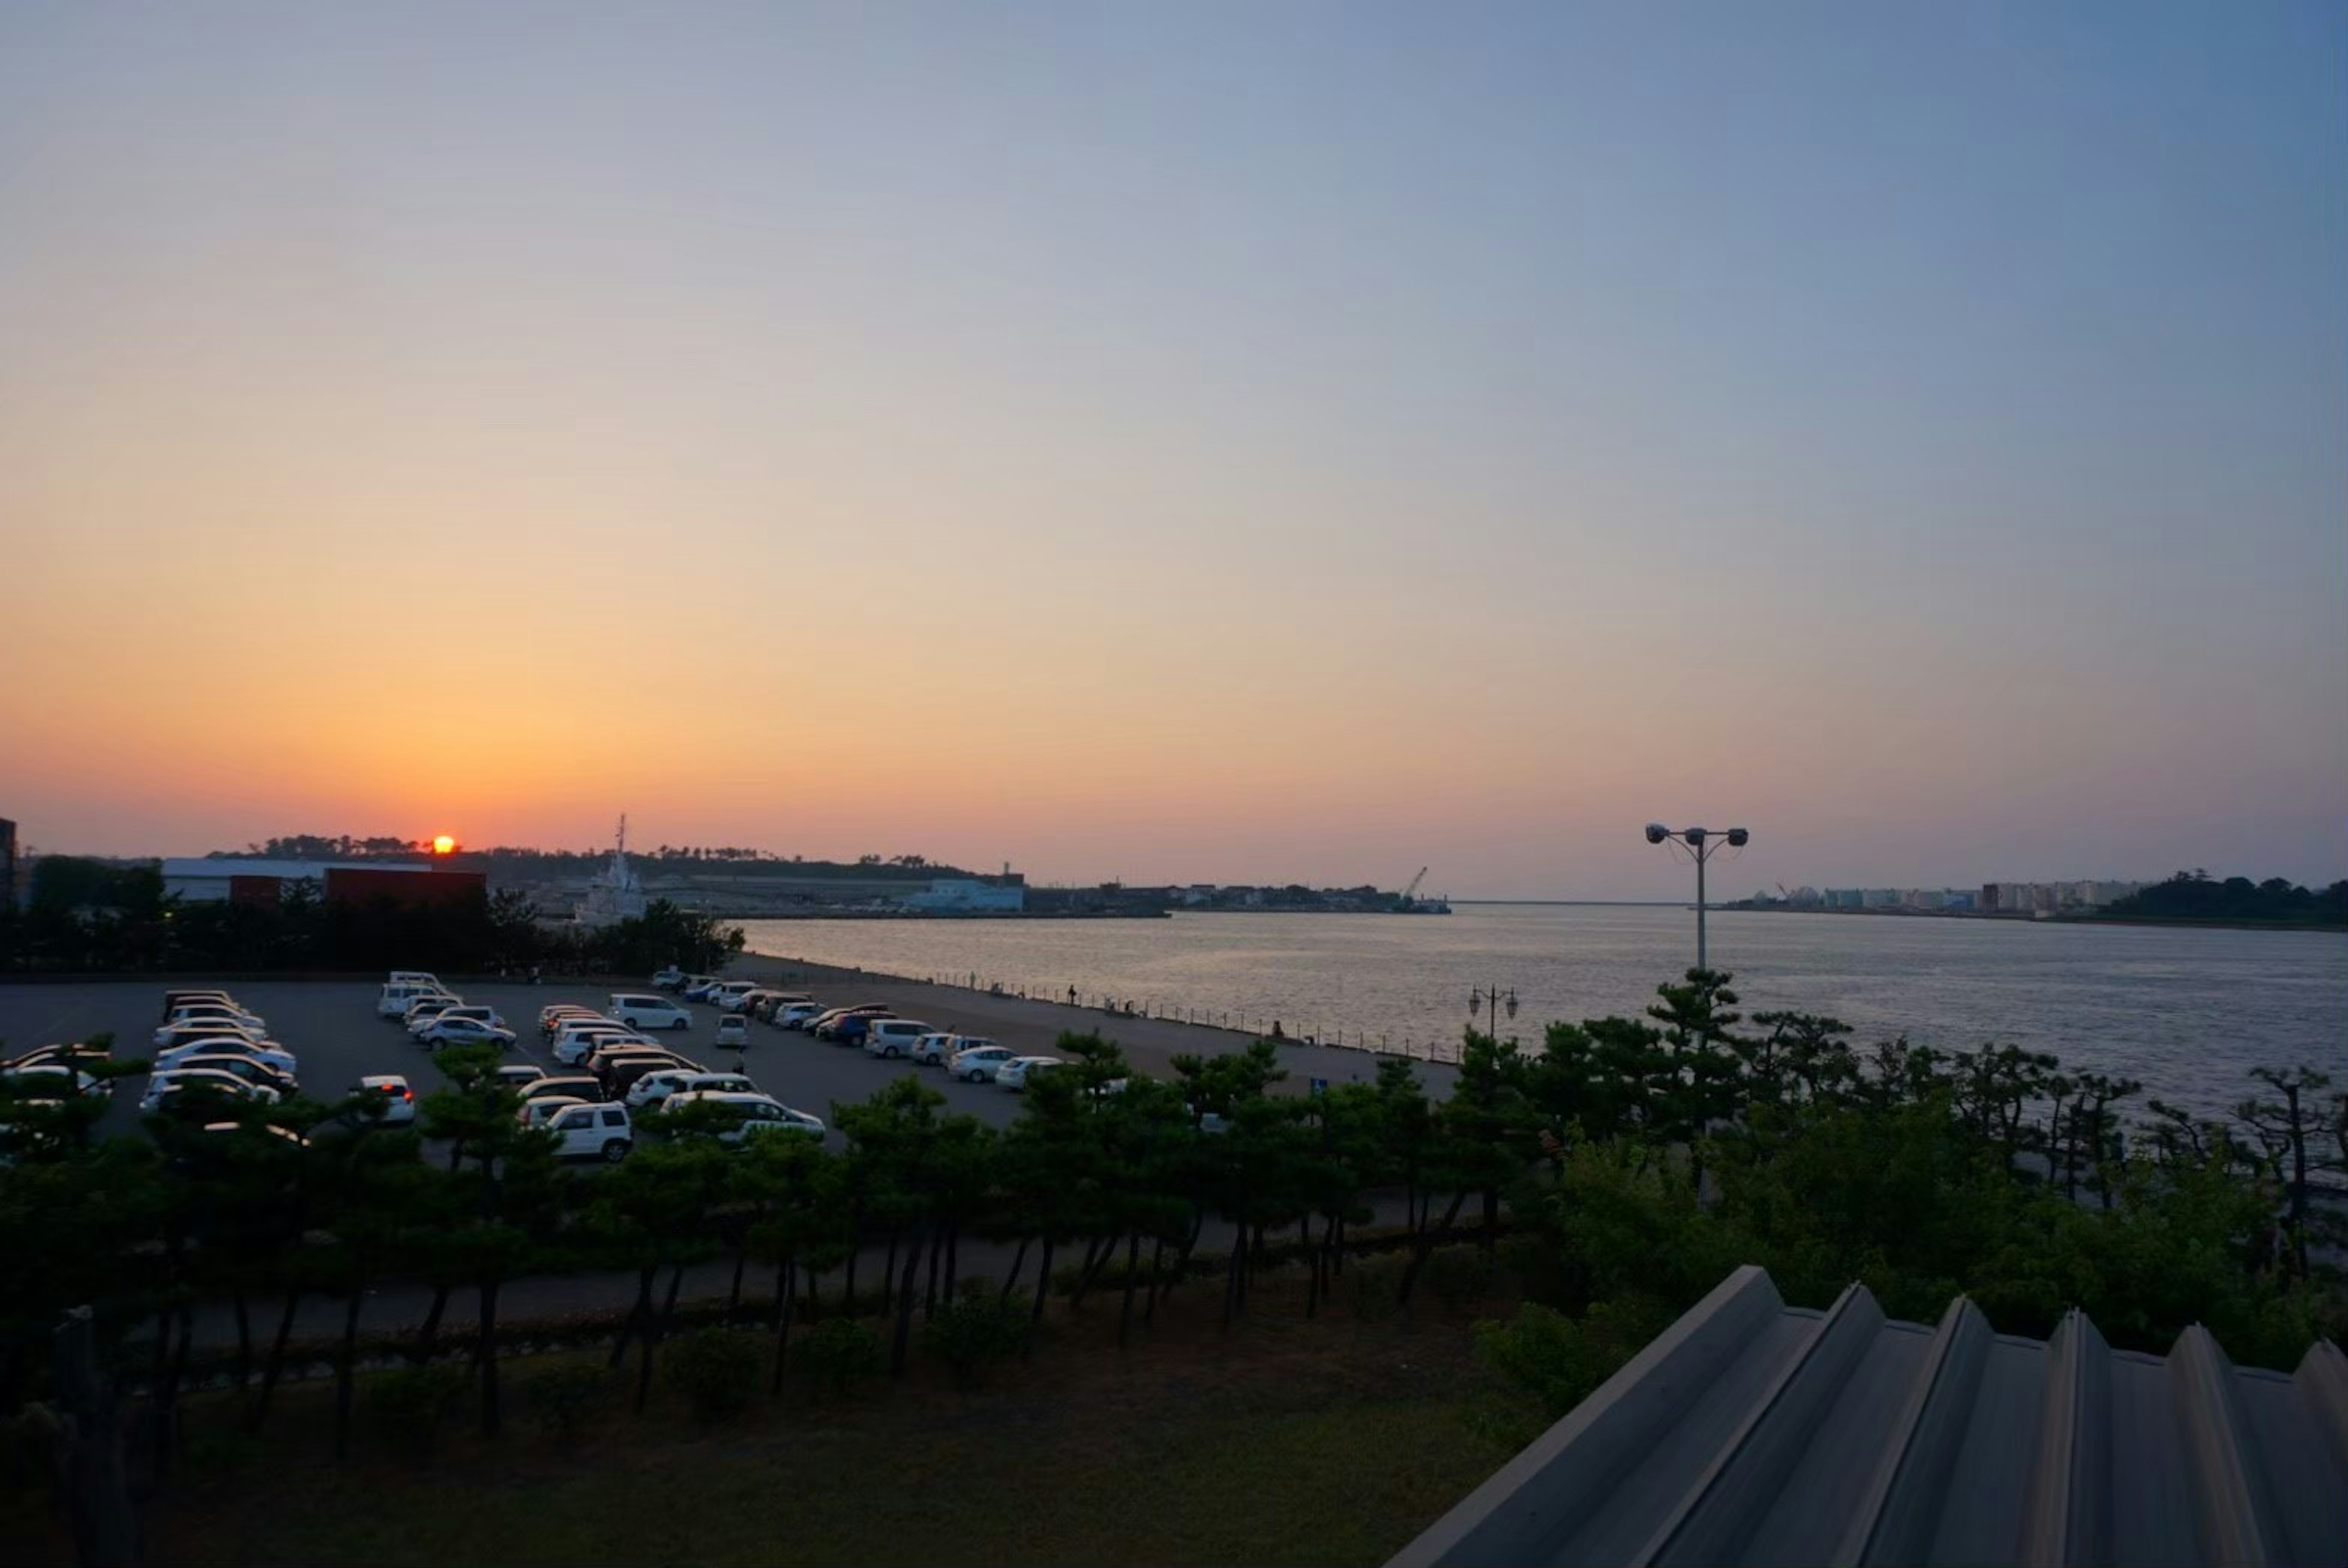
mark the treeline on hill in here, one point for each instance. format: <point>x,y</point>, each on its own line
<point>549,864</point>
<point>2197,896</point>
<point>1611,1176</point>
<point>87,918</point>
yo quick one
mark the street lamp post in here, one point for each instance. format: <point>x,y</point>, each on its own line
<point>1491,999</point>
<point>1702,844</point>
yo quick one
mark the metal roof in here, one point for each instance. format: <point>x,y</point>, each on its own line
<point>1754,1432</point>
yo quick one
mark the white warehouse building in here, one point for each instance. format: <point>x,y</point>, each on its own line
<point>967,895</point>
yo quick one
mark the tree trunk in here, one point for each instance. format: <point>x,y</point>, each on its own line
<point>429,1336</point>
<point>244,1338</point>
<point>168,1417</point>
<point>275,1363</point>
<point>485,1356</point>
<point>1125,1312</point>
<point>785,1292</point>
<point>953,1257</point>
<point>639,1315</point>
<point>930,1295</point>
<point>1019,1263</point>
<point>1491,1236</point>
<point>1425,1246</point>
<point>668,1304</point>
<point>913,1249</point>
<point>734,1296</point>
<point>1231,1272</point>
<point>156,1372</point>
<point>1043,1281</point>
<point>848,1295</point>
<point>888,1276</point>
<point>342,1369</point>
<point>1156,1264</point>
<point>91,1465</point>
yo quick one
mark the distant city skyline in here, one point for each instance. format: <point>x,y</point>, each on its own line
<point>1205,442</point>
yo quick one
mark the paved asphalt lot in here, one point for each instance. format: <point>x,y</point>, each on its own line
<point>333,1031</point>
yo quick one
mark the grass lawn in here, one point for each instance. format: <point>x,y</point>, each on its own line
<point>1333,1440</point>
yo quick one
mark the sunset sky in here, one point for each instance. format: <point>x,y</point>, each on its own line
<point>1205,441</point>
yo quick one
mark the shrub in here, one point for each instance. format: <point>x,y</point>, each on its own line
<point>838,1350</point>
<point>975,1329</point>
<point>1560,1359</point>
<point>562,1400</point>
<point>1462,1276</point>
<point>410,1405</point>
<point>717,1369</point>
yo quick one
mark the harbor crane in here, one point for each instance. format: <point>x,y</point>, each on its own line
<point>1410,893</point>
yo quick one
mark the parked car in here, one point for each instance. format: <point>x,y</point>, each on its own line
<point>219,1013</point>
<point>166,1089</point>
<point>932,1049</point>
<point>580,1049</point>
<point>667,979</point>
<point>424,1010</point>
<point>539,1112</point>
<point>172,1034</point>
<point>977,1063</point>
<point>265,1050</point>
<point>399,1098</point>
<point>726,995</point>
<point>602,1050</point>
<point>481,1010</point>
<point>174,1000</point>
<point>621,1074</point>
<point>717,1082</point>
<point>696,987</point>
<point>822,1024</point>
<point>53,1080</point>
<point>638,1010</point>
<point>576,1085</point>
<point>734,1029</point>
<point>245,1067</point>
<point>795,1015</point>
<point>78,1053</point>
<point>550,1016</point>
<point>1014,1073</point>
<point>414,977</point>
<point>446,1031</point>
<point>759,1114</point>
<point>520,1074</point>
<point>894,1037</point>
<point>592,1132</point>
<point>771,1004</point>
<point>401,994</point>
<point>657,1085</point>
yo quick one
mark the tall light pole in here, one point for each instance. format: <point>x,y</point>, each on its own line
<point>1702,844</point>
<point>1491,1000</point>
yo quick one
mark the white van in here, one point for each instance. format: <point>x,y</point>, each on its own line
<point>397,996</point>
<point>894,1037</point>
<point>639,1009</point>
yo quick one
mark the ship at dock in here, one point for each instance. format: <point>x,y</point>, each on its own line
<point>615,894</point>
<point>1410,903</point>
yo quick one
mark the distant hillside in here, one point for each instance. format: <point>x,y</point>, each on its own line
<point>2197,896</point>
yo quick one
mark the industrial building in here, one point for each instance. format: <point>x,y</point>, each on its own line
<point>206,879</point>
<point>968,895</point>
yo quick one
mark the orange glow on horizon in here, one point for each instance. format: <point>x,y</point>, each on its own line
<point>444,845</point>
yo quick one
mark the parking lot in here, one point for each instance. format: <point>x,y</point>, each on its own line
<point>333,1030</point>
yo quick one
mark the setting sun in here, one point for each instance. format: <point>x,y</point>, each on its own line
<point>444,845</point>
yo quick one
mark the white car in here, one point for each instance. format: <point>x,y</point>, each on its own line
<point>424,1010</point>
<point>401,994</point>
<point>520,1074</point>
<point>399,1098</point>
<point>243,1066</point>
<point>268,1052</point>
<point>584,1131</point>
<point>727,995</point>
<point>538,1112</point>
<point>794,1015</point>
<point>667,979</point>
<point>569,1085</point>
<point>52,1081</point>
<point>759,1113</point>
<point>445,1030</point>
<point>480,1011</point>
<point>894,1037</point>
<point>653,1088</point>
<point>414,977</point>
<point>734,1029</point>
<point>573,1048</point>
<point>638,1010</point>
<point>165,1086</point>
<point>977,1063</point>
<point>216,1014</point>
<point>937,1049</point>
<point>172,1034</point>
<point>716,1082</point>
<point>1014,1073</point>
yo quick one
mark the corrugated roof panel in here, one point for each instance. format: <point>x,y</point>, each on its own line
<point>1757,1433</point>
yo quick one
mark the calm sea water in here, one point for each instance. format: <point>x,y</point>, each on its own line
<point>2188,1012</point>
